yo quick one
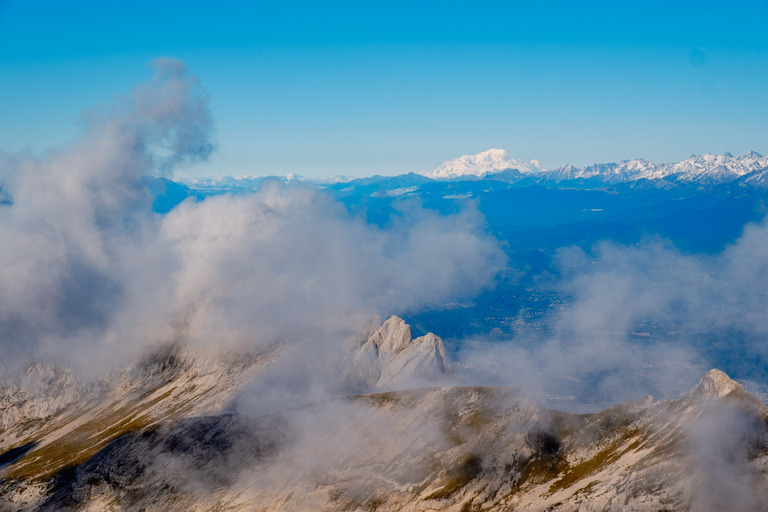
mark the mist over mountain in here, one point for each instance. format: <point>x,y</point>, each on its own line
<point>212,343</point>
<point>583,246</point>
<point>167,434</point>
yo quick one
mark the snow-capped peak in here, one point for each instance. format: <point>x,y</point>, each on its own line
<point>482,164</point>
<point>707,168</point>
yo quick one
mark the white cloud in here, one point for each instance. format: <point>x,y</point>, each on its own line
<point>90,275</point>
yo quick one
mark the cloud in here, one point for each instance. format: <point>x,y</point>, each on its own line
<point>720,444</point>
<point>632,320</point>
<point>79,216</point>
<point>299,259</point>
<point>289,263</point>
<point>91,276</point>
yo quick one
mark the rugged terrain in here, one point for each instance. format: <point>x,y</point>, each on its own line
<point>163,437</point>
<point>702,169</point>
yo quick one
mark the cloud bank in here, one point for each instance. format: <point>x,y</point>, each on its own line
<point>91,277</point>
<point>639,319</point>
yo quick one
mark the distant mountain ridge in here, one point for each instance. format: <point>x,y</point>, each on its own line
<point>707,169</point>
<point>749,170</point>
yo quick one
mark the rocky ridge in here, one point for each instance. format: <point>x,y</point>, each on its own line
<point>61,422</point>
<point>157,438</point>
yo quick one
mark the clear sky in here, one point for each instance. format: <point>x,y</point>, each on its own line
<point>369,87</point>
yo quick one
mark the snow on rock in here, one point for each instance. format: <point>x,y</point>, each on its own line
<point>704,169</point>
<point>707,169</point>
<point>480,165</point>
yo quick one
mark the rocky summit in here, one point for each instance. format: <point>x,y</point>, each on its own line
<point>389,357</point>
<point>160,436</point>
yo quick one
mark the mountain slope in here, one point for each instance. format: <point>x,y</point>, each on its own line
<point>62,422</point>
<point>452,448</point>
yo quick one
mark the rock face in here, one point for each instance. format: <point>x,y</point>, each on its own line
<point>61,422</point>
<point>715,384</point>
<point>43,391</point>
<point>390,358</point>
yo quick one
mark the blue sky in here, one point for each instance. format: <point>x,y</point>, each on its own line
<point>357,88</point>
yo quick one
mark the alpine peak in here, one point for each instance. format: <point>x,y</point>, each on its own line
<point>487,162</point>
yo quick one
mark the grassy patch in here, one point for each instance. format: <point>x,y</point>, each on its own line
<point>459,477</point>
<point>87,439</point>
<point>546,462</point>
<point>382,399</point>
<point>603,458</point>
<point>584,469</point>
<point>586,489</point>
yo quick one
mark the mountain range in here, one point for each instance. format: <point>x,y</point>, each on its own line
<point>537,212</point>
<point>189,428</point>
<point>705,169</point>
<point>162,436</point>
<point>749,169</point>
